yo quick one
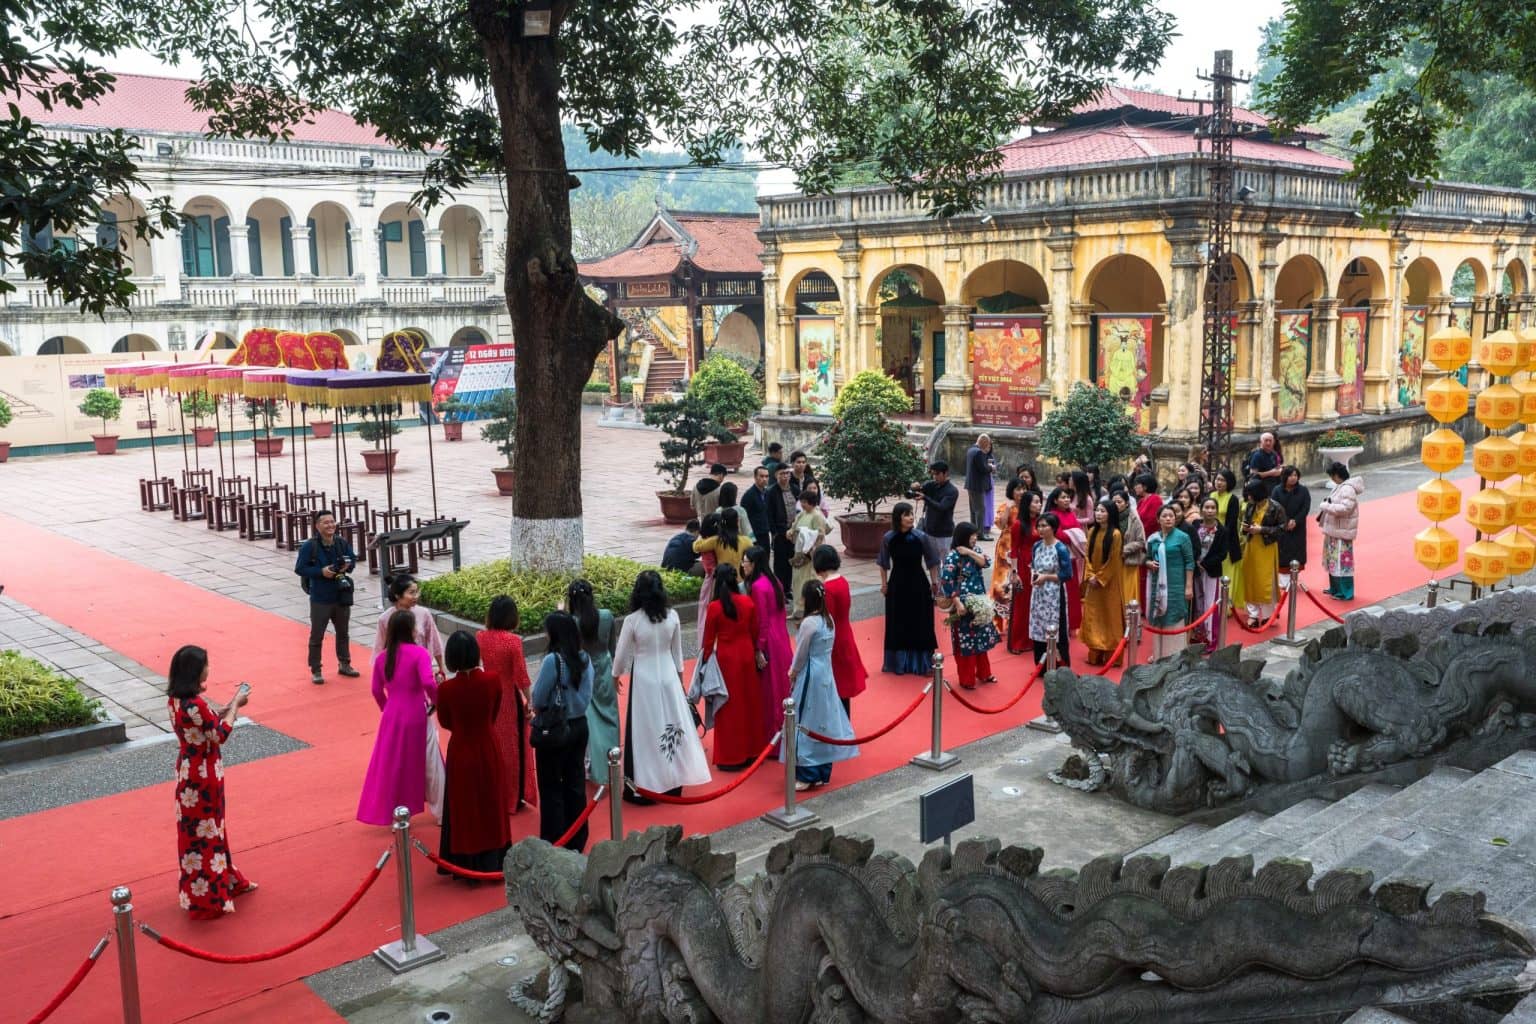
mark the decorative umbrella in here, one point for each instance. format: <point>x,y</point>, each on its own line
<point>191,379</point>
<point>267,385</point>
<point>228,382</point>
<point>383,392</point>
<point>144,377</point>
<point>312,387</point>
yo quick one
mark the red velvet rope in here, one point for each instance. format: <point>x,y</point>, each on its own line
<point>703,798</point>
<point>581,820</point>
<point>916,703</point>
<point>1183,629</point>
<point>454,869</point>
<point>1114,657</point>
<point>1039,671</point>
<point>1237,617</point>
<point>271,954</point>
<point>1320,606</point>
<point>70,985</point>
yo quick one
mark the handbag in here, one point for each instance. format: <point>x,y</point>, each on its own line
<point>552,725</point>
<point>437,771</point>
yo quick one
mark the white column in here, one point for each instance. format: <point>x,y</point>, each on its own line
<point>365,261</point>
<point>165,253</point>
<point>302,265</point>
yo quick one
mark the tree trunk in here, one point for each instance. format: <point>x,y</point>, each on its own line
<point>559,331</point>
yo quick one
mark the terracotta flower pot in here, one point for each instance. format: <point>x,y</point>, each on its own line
<point>106,444</point>
<point>453,430</point>
<point>380,461</point>
<point>862,534</point>
<point>728,453</point>
<point>5,450</point>
<point>675,506</point>
<point>204,436</point>
<point>321,428</point>
<point>267,447</point>
<point>505,478</point>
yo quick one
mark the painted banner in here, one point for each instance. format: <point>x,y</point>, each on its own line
<point>1461,316</point>
<point>1354,350</point>
<point>1293,355</point>
<point>1007,363</point>
<point>1410,357</point>
<point>487,370</point>
<point>1124,343</point>
<point>815,336</point>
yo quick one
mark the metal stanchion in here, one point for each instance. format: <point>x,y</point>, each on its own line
<point>1223,609</point>
<point>937,757</point>
<point>410,950</point>
<point>792,816</point>
<point>1045,723</point>
<point>1052,657</point>
<point>615,791</point>
<point>1433,594</point>
<point>1133,625</point>
<point>127,959</point>
<point>1293,598</point>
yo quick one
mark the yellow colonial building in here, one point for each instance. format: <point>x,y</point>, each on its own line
<point>1086,263</point>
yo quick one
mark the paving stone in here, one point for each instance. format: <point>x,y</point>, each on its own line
<point>1220,841</point>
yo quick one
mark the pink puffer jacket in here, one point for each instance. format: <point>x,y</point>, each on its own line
<point>1340,513</point>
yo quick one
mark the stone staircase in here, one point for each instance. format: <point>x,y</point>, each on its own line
<point>1452,829</point>
<point>665,373</point>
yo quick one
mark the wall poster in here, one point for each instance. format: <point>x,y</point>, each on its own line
<point>815,337</point>
<point>1007,364</point>
<point>1410,357</point>
<point>1354,338</point>
<point>1124,346</point>
<point>1293,356</point>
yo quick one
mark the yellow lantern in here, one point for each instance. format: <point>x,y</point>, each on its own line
<point>1498,406</point>
<point>1438,500</point>
<point>1522,551</point>
<point>1526,389</point>
<point>1525,445</point>
<point>1442,450</point>
<point>1449,348</point>
<point>1435,548</point>
<point>1499,353</point>
<point>1522,497</point>
<point>1491,511</point>
<point>1446,400</point>
<point>1487,562</point>
<point>1527,336</point>
<point>1496,458</point>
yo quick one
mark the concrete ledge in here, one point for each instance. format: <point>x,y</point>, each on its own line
<point>63,741</point>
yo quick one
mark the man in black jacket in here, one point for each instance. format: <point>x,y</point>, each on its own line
<point>325,561</point>
<point>939,500</point>
<point>780,499</point>
<point>755,501</point>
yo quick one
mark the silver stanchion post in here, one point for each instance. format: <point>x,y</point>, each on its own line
<point>792,816</point>
<point>410,950</point>
<point>1052,657</point>
<point>937,757</point>
<point>615,794</point>
<point>1133,630</point>
<point>1433,594</point>
<point>1293,597</point>
<point>1223,609</point>
<point>127,958</point>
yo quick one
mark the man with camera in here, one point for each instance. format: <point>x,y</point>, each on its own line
<point>939,497</point>
<point>324,567</point>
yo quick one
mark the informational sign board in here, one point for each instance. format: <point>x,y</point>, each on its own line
<point>487,370</point>
<point>1007,362</point>
<point>946,809</point>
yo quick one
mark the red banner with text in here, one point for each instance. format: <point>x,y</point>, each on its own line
<point>1007,365</point>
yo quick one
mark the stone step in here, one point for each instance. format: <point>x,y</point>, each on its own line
<point>1336,815</point>
<point>1374,1015</point>
<point>1467,857</point>
<point>1174,842</point>
<point>1391,812</point>
<point>1506,875</point>
<point>1524,1012</point>
<point>1272,833</point>
<point>1223,840</point>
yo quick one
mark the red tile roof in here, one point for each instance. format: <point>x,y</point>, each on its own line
<point>153,104</point>
<point>722,243</point>
<point>1115,97</point>
<point>1099,144</point>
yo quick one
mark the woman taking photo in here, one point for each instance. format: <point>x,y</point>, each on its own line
<point>730,637</point>
<point>962,576</point>
<point>815,693</point>
<point>1023,536</point>
<point>1103,583</point>
<point>404,595</point>
<point>1262,522</point>
<point>1050,564</point>
<point>1339,516</point>
<point>565,677</point>
<point>662,752</point>
<point>501,652</point>
<point>1171,585</point>
<point>904,565</point>
<point>1210,555</point>
<point>598,638</point>
<point>403,688</point>
<point>209,879</point>
<point>773,651</point>
<point>1292,496</point>
<point>475,834</point>
<point>847,665</point>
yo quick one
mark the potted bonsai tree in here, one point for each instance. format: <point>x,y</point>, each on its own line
<point>1091,428</point>
<point>730,395</point>
<point>322,428</point>
<point>199,406</point>
<point>866,458</point>
<point>454,413</point>
<point>5,421</point>
<point>501,430</point>
<point>378,423</point>
<point>689,428</point>
<point>262,412</point>
<point>1340,445</point>
<point>103,404</point>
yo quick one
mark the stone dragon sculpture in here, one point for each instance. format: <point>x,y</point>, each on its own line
<point>1192,732</point>
<point>834,933</point>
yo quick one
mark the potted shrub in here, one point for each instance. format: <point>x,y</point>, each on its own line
<point>263,412</point>
<point>866,458</point>
<point>103,404</point>
<point>689,429</point>
<point>378,423</point>
<point>730,396</point>
<point>1340,445</point>
<point>454,413</point>
<point>501,430</point>
<point>200,406</point>
<point>321,429</point>
<point>5,421</point>
<point>871,389</point>
<point>1091,428</point>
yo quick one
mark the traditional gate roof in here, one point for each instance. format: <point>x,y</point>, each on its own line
<point>716,243</point>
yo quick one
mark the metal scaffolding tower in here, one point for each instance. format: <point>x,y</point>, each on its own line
<point>1220,306</point>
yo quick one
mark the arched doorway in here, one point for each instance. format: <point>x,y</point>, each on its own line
<point>1300,283</point>
<point>1126,337</point>
<point>402,242</point>
<point>1361,284</point>
<point>347,337</point>
<point>135,343</point>
<point>62,345</point>
<point>909,331</point>
<point>1422,281</point>
<point>269,239</point>
<point>1008,301</point>
<point>330,241</point>
<point>467,336</point>
<point>6,350</point>
<point>815,298</point>
<point>205,247</point>
<point>118,229</point>
<point>461,240</point>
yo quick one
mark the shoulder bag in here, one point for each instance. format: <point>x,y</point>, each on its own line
<point>551,725</point>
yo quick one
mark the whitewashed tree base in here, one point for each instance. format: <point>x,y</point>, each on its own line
<point>548,544</point>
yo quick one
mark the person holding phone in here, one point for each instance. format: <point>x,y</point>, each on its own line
<point>209,880</point>
<point>324,566</point>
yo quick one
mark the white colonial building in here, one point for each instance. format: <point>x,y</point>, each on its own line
<point>314,233</point>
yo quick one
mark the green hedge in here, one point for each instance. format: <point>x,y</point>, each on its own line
<point>468,592</point>
<point>35,699</point>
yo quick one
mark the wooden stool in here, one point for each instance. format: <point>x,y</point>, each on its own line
<point>293,529</point>
<point>198,478</point>
<point>354,510</point>
<point>307,501</point>
<point>356,535</point>
<point>439,548</point>
<point>155,495</point>
<point>224,511</point>
<point>256,520</point>
<point>402,554</point>
<point>236,486</point>
<point>273,494</point>
<point>189,504</point>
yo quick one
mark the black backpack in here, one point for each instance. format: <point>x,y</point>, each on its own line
<point>551,725</point>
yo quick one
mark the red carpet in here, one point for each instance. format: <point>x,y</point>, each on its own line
<point>291,817</point>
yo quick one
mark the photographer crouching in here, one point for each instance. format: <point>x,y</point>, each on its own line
<point>324,567</point>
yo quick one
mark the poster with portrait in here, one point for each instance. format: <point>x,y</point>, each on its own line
<point>815,336</point>
<point>1293,353</point>
<point>1410,357</point>
<point>1354,333</point>
<point>1124,344</point>
<point>1007,365</point>
<point>1461,316</point>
